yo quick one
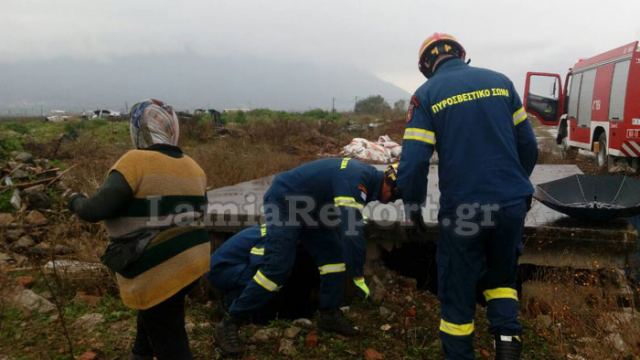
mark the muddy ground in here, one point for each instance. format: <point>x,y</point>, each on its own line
<point>46,314</point>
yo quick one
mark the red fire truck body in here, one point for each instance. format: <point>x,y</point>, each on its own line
<point>598,108</point>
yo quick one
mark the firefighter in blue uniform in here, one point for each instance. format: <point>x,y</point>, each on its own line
<point>487,150</point>
<point>318,204</point>
<point>236,261</point>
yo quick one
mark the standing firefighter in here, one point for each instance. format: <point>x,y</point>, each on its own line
<point>486,148</point>
<point>147,202</point>
<point>318,204</point>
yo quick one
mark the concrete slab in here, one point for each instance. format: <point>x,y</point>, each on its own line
<point>551,239</point>
<point>243,202</point>
<point>237,206</point>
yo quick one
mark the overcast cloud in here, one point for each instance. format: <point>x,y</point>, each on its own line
<point>377,36</point>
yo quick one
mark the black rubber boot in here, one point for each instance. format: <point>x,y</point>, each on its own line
<point>508,347</point>
<point>335,321</point>
<point>227,337</point>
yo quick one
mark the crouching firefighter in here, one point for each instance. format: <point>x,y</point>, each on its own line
<point>318,205</point>
<point>487,150</point>
<point>236,261</point>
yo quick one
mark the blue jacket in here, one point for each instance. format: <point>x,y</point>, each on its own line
<point>486,147</point>
<point>347,184</point>
<point>234,263</point>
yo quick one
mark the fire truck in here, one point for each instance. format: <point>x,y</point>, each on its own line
<point>597,109</point>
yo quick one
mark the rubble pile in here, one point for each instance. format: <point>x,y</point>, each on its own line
<point>30,192</point>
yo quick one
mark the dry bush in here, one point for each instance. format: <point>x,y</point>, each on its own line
<point>231,161</point>
<point>583,308</point>
<point>261,148</point>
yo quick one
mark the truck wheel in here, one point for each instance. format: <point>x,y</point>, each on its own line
<point>602,159</point>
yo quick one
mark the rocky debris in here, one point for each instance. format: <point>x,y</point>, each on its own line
<point>84,298</point>
<point>617,342</point>
<point>22,157</point>
<point>89,355</point>
<point>5,259</point>
<point>38,200</point>
<point>30,301</point>
<point>575,357</point>
<point>16,200</point>
<point>287,347</point>
<point>13,234</point>
<point>616,321</point>
<point>264,335</point>
<point>6,219</point>
<point>377,290</point>
<point>31,181</point>
<point>544,321</point>
<point>311,340</point>
<point>485,354</point>
<point>384,312</point>
<point>45,248</point>
<point>372,354</point>
<point>88,322</point>
<point>303,323</point>
<point>292,332</point>
<point>25,242</point>
<point>26,281</point>
<point>189,326</point>
<point>73,269</point>
<point>34,189</point>
<point>20,174</point>
<point>35,218</point>
<point>409,283</point>
<point>43,163</point>
<point>536,306</point>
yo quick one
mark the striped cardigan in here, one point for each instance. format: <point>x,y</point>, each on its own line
<point>166,190</point>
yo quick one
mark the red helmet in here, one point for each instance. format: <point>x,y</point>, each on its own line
<point>434,46</point>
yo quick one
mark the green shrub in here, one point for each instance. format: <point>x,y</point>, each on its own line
<point>17,127</point>
<point>372,105</point>
<point>9,144</point>
<point>240,117</point>
<point>316,113</point>
<point>5,201</point>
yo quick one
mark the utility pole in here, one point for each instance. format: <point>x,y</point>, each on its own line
<point>333,104</point>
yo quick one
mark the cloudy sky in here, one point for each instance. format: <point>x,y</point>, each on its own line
<point>377,36</point>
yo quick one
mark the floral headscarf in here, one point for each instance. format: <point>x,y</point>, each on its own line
<point>153,122</point>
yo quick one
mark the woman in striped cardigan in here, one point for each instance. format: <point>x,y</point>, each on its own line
<point>148,201</point>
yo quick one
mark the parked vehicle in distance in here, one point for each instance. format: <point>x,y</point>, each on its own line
<point>597,109</point>
<point>57,116</point>
<point>104,113</point>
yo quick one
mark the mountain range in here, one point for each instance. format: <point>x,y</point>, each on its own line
<point>187,81</point>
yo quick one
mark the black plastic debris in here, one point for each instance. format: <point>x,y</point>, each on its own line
<point>588,197</point>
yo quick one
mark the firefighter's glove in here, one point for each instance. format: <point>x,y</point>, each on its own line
<point>362,285</point>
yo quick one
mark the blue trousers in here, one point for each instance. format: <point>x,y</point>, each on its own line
<point>478,252</point>
<point>283,236</point>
